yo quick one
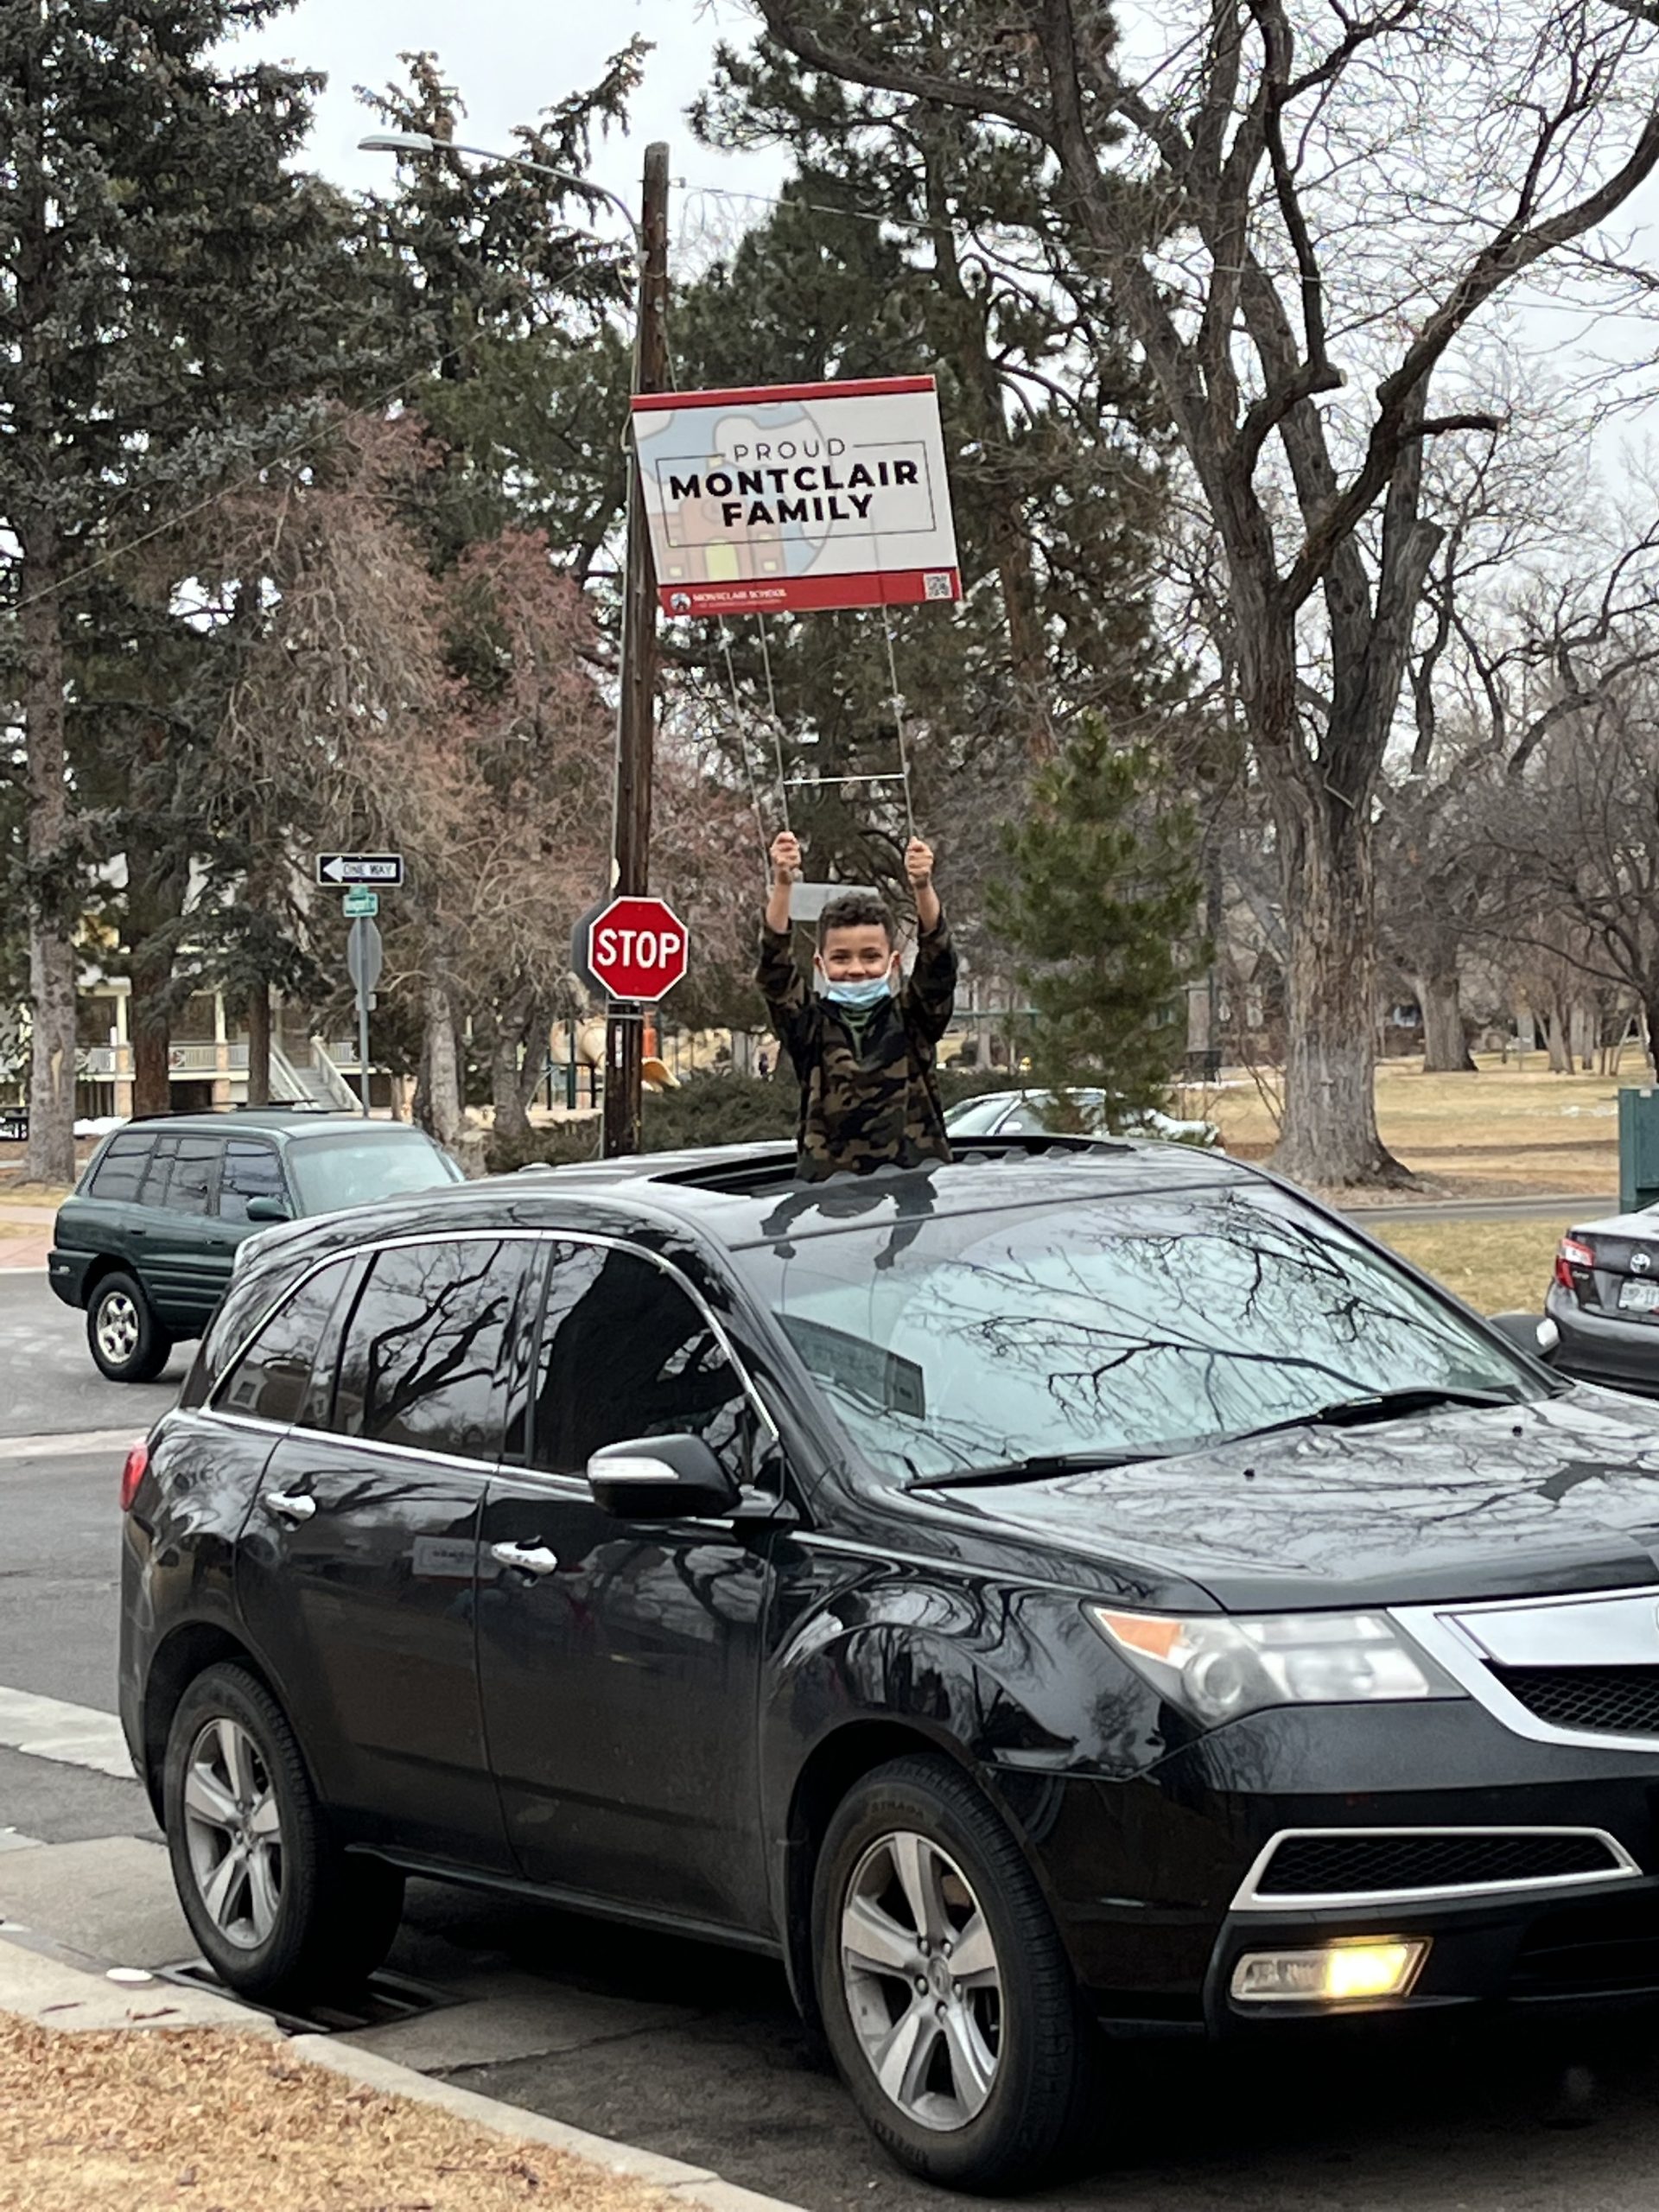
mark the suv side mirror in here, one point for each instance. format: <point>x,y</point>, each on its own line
<point>662,1478</point>
<point>264,1210</point>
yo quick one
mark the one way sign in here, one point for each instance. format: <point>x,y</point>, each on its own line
<point>385,870</point>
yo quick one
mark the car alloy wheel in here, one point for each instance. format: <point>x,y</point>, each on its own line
<point>233,1833</point>
<point>922,1980</point>
<point>118,1327</point>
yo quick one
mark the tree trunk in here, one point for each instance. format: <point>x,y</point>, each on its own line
<point>1561,1056</point>
<point>259,1046</point>
<point>506,1084</point>
<point>51,1155</point>
<point>1329,1134</point>
<point>441,1067</point>
<point>157,886</point>
<point>1445,1048</point>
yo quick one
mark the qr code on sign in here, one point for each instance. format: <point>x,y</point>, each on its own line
<point>935,583</point>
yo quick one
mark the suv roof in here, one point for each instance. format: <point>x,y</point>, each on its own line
<point>746,1194</point>
<point>290,1122</point>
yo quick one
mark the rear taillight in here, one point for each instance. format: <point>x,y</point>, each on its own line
<point>1573,1257</point>
<point>133,1473</point>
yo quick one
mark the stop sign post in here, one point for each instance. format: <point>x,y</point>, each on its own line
<point>637,950</point>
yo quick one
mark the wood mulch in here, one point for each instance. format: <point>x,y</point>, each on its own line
<point>203,2120</point>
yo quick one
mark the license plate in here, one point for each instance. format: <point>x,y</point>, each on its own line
<point>1638,1297</point>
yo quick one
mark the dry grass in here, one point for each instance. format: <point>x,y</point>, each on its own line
<point>1503,1131</point>
<point>1497,1266</point>
<point>198,2120</point>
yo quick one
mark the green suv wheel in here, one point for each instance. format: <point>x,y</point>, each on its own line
<point>127,1342</point>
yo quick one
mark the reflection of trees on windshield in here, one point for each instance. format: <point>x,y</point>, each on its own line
<point>1129,1325</point>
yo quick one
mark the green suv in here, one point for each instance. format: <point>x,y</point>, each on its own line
<point>148,1242</point>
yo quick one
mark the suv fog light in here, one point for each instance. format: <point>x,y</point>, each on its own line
<point>1336,1974</point>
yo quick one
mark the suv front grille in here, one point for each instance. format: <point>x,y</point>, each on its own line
<point>1598,1700</point>
<point>1337,1865</point>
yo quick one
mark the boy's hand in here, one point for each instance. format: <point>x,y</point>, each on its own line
<point>786,857</point>
<point>918,863</point>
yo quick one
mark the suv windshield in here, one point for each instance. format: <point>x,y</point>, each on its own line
<point>1130,1327</point>
<point>332,1173</point>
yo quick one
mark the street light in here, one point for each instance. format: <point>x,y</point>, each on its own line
<point>636,711</point>
<point>422,141</point>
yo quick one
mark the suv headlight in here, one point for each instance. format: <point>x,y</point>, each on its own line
<point>1215,1668</point>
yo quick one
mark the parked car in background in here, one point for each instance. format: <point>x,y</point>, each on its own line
<point>1604,1300</point>
<point>1036,1113</point>
<point>148,1240</point>
<point>1086,1582</point>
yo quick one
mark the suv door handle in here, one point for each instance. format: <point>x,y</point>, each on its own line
<point>292,1504</point>
<point>531,1559</point>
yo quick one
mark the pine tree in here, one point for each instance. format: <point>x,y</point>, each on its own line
<point>1101,903</point>
<point>147,218</point>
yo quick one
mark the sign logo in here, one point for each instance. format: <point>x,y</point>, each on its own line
<point>1640,1263</point>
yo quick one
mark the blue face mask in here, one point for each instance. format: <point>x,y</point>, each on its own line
<point>859,997</point>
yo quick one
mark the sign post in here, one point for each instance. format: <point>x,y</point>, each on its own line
<point>364,954</point>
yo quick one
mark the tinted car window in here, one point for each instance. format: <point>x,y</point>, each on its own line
<point>1135,1325</point>
<point>269,1382</point>
<point>121,1170</point>
<point>349,1170</point>
<point>979,1119</point>
<point>251,1171</point>
<point>426,1351</point>
<point>625,1352</point>
<point>195,1168</point>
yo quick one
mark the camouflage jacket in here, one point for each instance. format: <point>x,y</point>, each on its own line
<point>869,1093</point>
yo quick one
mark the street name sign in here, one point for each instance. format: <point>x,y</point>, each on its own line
<point>637,949</point>
<point>339,870</point>
<point>360,906</point>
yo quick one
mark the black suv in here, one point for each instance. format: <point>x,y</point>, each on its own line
<point>147,1242</point>
<point>1086,1583</point>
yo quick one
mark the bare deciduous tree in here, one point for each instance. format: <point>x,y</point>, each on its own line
<point>1282,200</point>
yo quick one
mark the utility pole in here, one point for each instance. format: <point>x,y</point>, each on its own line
<point>636,719</point>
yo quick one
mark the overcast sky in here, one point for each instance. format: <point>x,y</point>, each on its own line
<point>510,59</point>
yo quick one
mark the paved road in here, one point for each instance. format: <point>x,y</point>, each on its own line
<point>1564,1209</point>
<point>49,1385</point>
<point>694,2052</point>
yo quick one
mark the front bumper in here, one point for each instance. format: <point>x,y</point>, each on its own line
<point>1147,1877</point>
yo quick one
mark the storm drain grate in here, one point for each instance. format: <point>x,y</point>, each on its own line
<point>376,2003</point>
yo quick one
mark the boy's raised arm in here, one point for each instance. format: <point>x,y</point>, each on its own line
<point>781,983</point>
<point>931,994</point>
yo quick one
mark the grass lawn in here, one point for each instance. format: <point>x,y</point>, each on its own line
<point>1497,1266</point>
<point>1504,1131</point>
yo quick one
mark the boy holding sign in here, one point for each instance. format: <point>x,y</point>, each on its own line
<point>864,1046</point>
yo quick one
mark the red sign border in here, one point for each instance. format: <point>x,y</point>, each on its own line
<point>753,395</point>
<point>638,899</point>
<point>807,594</point>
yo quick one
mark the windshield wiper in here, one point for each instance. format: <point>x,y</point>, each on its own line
<point>1032,1469</point>
<point>1377,1405</point>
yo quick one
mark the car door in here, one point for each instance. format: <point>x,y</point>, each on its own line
<point>619,1661</point>
<point>357,1566</point>
<point>185,1252</point>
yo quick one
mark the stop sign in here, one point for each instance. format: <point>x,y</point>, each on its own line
<point>637,948</point>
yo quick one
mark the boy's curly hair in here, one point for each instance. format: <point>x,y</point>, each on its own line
<point>854,910</point>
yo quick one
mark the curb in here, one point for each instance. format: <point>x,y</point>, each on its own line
<point>43,1989</point>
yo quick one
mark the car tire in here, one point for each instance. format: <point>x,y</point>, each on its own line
<point>279,1911</point>
<point>978,2081</point>
<point>126,1340</point>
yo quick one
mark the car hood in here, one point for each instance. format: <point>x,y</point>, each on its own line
<point>1462,1503</point>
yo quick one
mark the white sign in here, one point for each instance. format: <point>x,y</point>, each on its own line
<point>797,497</point>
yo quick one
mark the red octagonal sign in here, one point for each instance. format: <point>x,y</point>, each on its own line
<point>637,948</point>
